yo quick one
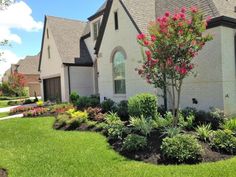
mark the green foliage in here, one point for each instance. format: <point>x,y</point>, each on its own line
<point>181,149</point>
<point>108,106</point>
<point>74,96</point>
<point>204,132</point>
<point>76,118</point>
<point>62,119</point>
<point>223,141</point>
<point>85,102</point>
<point>186,122</point>
<point>134,142</point>
<point>143,104</point>
<point>230,125</point>
<point>40,103</point>
<point>166,121</point>
<point>122,110</point>
<point>142,125</point>
<point>172,131</point>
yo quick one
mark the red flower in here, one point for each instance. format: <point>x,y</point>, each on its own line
<point>141,36</point>
<point>181,32</point>
<point>184,9</point>
<point>146,43</point>
<point>183,71</point>
<point>194,9</point>
<point>148,54</point>
<point>167,14</point>
<point>183,16</point>
<point>153,38</point>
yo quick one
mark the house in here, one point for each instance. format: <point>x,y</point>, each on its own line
<point>112,33</point>
<point>29,68</point>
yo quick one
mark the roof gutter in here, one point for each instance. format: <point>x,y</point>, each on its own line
<point>222,21</point>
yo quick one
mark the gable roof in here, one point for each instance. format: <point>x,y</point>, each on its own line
<point>67,34</point>
<point>29,65</point>
<point>213,8</point>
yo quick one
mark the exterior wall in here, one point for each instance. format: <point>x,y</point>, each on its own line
<point>207,86</point>
<point>53,67</point>
<point>229,72</point>
<point>81,80</point>
<point>32,82</point>
<point>123,38</point>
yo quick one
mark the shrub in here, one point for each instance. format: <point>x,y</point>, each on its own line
<point>108,106</point>
<point>95,114</point>
<point>141,125</point>
<point>60,108</point>
<point>181,149</point>
<point>62,119</point>
<point>223,141</point>
<point>166,121</point>
<point>188,111</point>
<point>230,125</point>
<point>20,109</point>
<point>14,103</point>
<point>115,127</point>
<point>85,102</point>
<point>74,96</point>
<point>28,101</point>
<point>134,142</point>
<point>204,132</point>
<point>122,110</point>
<point>76,118</point>
<point>143,104</point>
<point>35,112</point>
<point>186,122</point>
<point>172,131</point>
<point>40,103</point>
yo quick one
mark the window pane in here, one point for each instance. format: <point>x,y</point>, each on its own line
<point>119,73</point>
<point>120,86</point>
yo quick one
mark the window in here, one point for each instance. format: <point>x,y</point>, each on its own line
<point>116,20</point>
<point>47,34</point>
<point>119,73</point>
<point>96,27</point>
<point>49,52</point>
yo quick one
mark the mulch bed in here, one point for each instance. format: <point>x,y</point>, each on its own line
<point>3,173</point>
<point>152,154</point>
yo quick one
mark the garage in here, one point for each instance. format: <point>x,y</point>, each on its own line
<point>52,89</point>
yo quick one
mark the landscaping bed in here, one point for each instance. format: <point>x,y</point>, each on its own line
<point>146,135</point>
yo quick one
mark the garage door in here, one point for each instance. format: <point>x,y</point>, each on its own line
<point>52,89</point>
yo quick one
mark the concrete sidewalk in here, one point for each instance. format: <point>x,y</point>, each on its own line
<point>12,117</point>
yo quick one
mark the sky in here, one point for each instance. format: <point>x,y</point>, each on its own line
<point>22,24</point>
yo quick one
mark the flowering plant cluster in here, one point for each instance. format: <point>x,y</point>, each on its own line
<point>20,109</point>
<point>35,112</point>
<point>169,49</point>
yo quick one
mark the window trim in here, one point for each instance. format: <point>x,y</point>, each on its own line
<point>121,50</point>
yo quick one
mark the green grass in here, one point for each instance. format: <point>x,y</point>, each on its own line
<point>31,148</point>
<point>4,114</point>
<point>3,104</point>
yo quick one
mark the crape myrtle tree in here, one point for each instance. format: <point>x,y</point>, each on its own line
<point>169,49</point>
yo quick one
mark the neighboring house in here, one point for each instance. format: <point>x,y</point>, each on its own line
<point>112,32</point>
<point>29,68</point>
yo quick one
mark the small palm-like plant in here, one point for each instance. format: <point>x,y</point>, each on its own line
<point>230,125</point>
<point>171,131</point>
<point>204,132</point>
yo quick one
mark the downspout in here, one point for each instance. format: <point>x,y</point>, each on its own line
<point>69,81</point>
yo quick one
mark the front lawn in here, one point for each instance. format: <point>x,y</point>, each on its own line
<point>30,147</point>
<point>4,114</point>
<point>3,104</point>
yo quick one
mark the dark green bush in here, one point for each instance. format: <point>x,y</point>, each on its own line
<point>85,102</point>
<point>28,101</point>
<point>122,110</point>
<point>181,149</point>
<point>223,141</point>
<point>108,106</point>
<point>143,104</point>
<point>134,142</point>
<point>74,96</point>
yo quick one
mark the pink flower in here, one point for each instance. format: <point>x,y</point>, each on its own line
<point>189,22</point>
<point>183,16</point>
<point>176,17</point>
<point>141,36</point>
<point>183,71</point>
<point>148,53</point>
<point>181,32</point>
<point>180,24</point>
<point>146,43</point>
<point>194,9</point>
<point>153,38</point>
<point>167,14</point>
<point>184,9</point>
<point>191,67</point>
<point>169,61</point>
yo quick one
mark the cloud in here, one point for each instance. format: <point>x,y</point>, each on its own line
<point>9,58</point>
<point>17,16</point>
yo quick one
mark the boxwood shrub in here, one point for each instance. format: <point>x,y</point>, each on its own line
<point>143,104</point>
<point>181,149</point>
